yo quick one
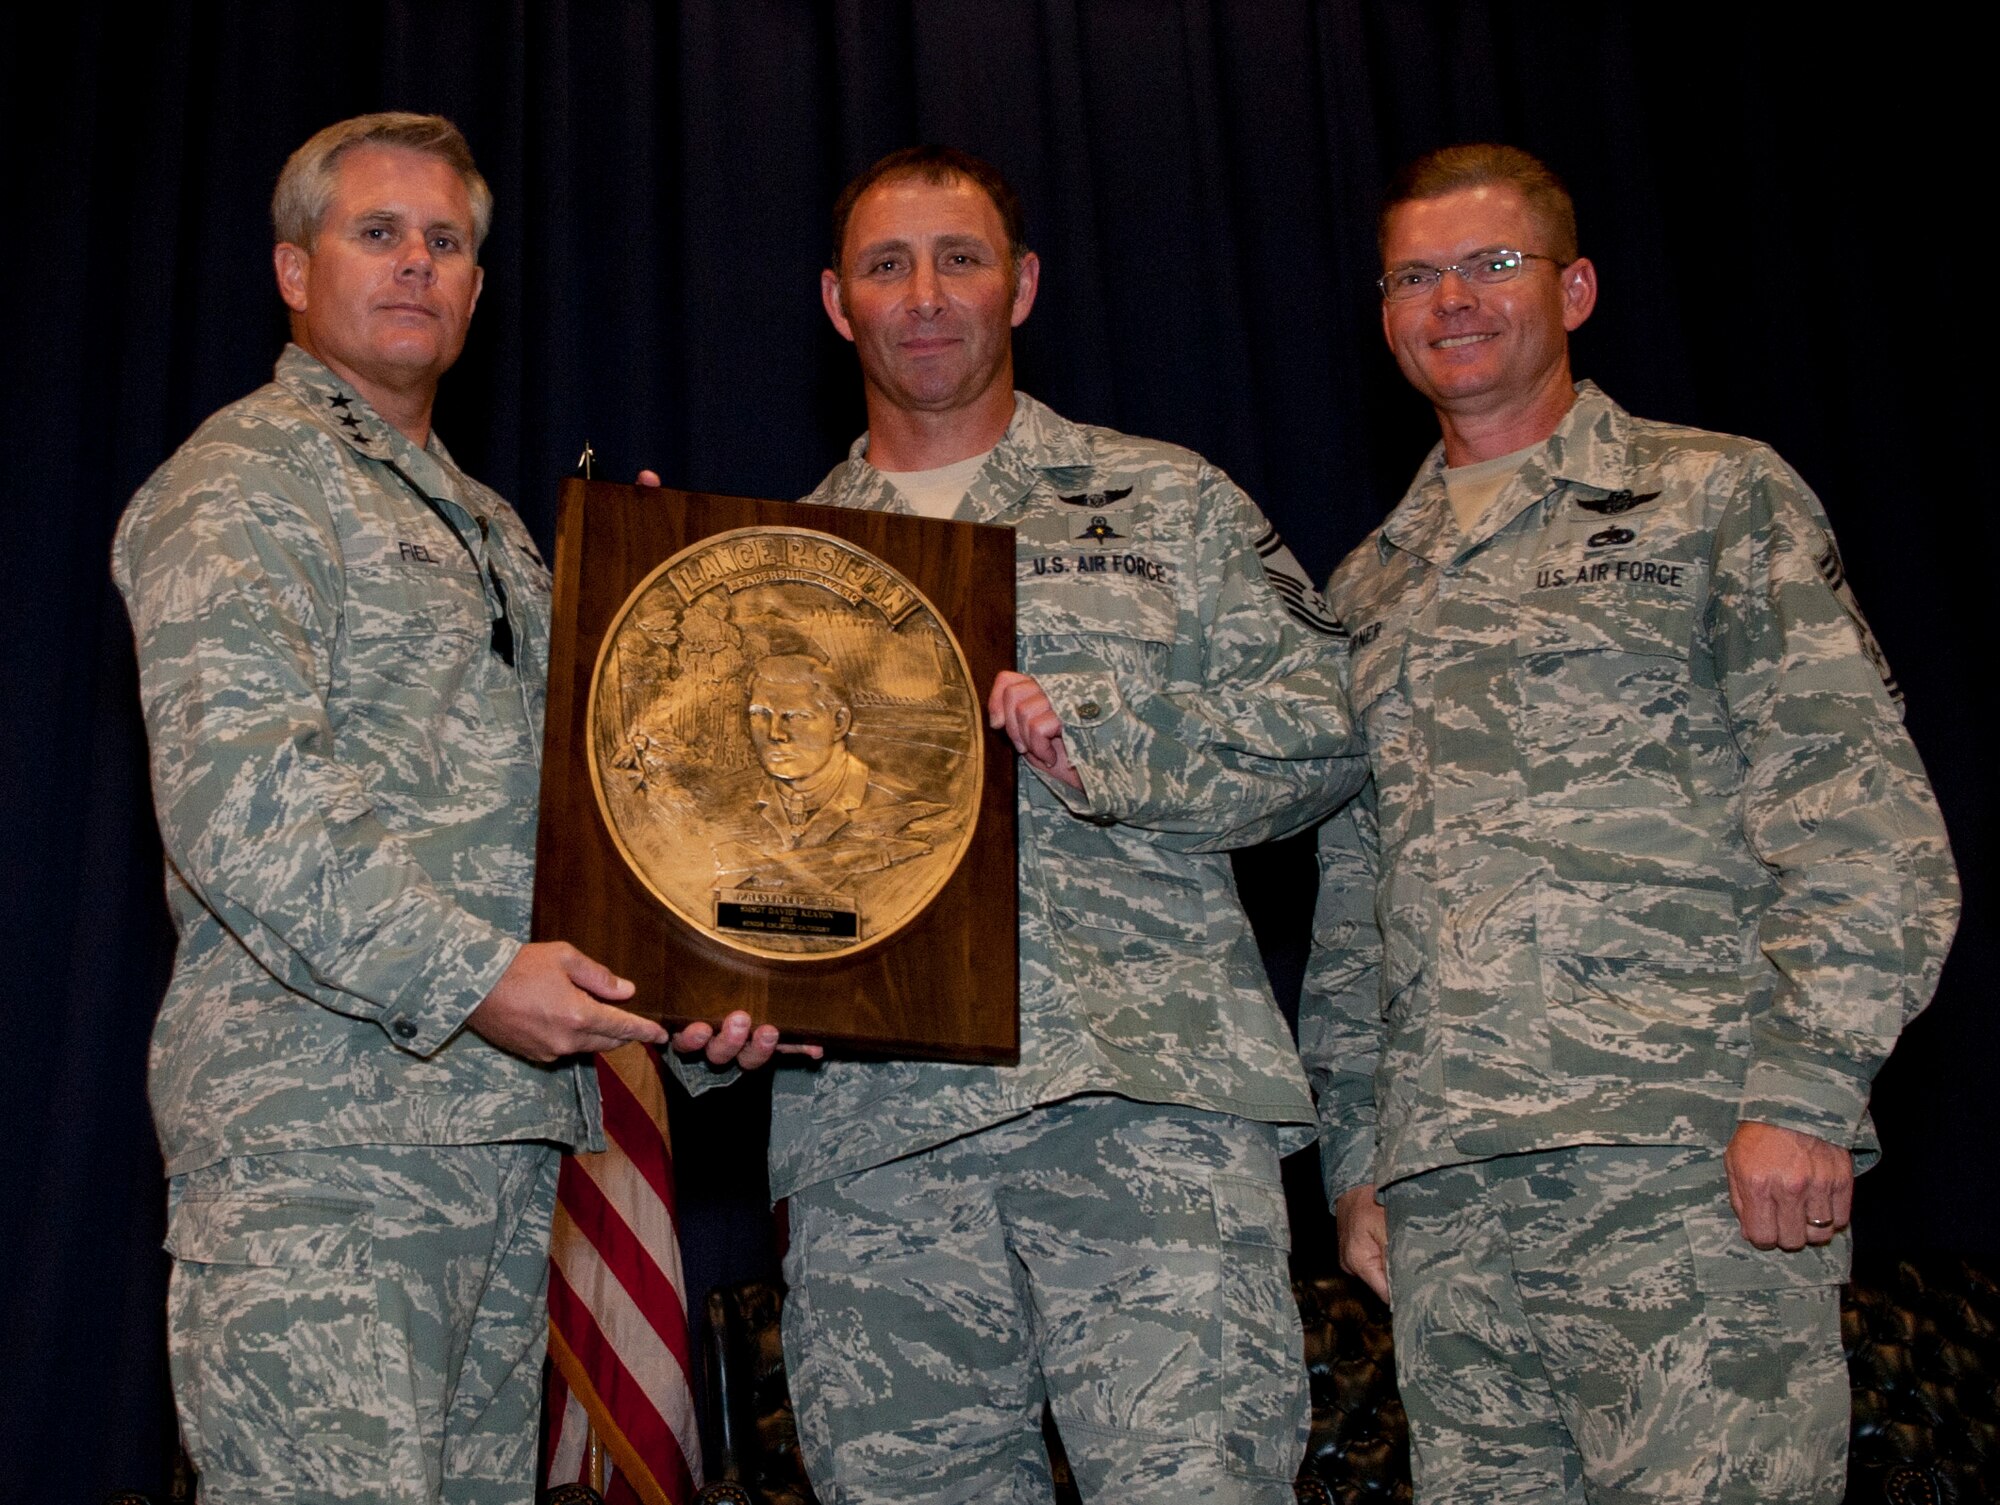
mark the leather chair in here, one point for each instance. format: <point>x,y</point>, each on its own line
<point>1923,1358</point>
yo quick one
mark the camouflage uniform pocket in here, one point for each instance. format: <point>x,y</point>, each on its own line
<point>1605,700</point>
<point>1774,1375</point>
<point>1264,1392</point>
<point>1061,607</point>
<point>1108,880</point>
<point>402,695</point>
<point>1726,1263</point>
<point>393,598</point>
<point>275,1347</point>
<point>411,640</point>
<point>1644,981</point>
<point>1668,924</point>
<point>1152,904</point>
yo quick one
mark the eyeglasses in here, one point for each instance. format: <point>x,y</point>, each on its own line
<point>1486,269</point>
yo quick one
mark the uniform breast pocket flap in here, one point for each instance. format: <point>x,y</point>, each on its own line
<point>399,599</point>
<point>1249,1211</point>
<point>1651,623</point>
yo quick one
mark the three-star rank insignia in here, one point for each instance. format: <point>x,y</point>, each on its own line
<point>1098,498</point>
<point>341,403</point>
<point>1099,530</point>
<point>1615,503</point>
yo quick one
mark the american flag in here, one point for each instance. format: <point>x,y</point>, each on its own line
<point>618,1335</point>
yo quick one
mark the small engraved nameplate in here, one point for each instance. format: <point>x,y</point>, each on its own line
<point>751,911</point>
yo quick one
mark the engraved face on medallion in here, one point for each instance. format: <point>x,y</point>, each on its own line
<point>785,742</point>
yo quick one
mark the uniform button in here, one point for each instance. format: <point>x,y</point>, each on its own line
<point>405,1028</point>
<point>1088,709</point>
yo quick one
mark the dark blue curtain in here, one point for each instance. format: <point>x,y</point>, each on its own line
<point>1783,212</point>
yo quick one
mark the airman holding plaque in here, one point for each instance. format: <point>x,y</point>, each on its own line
<point>362,1068</point>
<point>1100,1226</point>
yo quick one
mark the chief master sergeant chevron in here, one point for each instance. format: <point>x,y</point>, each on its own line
<point>360,1075</point>
<point>1102,1224</point>
<point>1661,879</point>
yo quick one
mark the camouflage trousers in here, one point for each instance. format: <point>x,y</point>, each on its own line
<point>1590,1325</point>
<point>363,1324</point>
<point>1127,1262</point>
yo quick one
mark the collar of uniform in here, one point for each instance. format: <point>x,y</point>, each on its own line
<point>347,415</point>
<point>1037,439</point>
<point>859,484</point>
<point>1589,448</point>
<point>1593,447</point>
<point>1422,522</point>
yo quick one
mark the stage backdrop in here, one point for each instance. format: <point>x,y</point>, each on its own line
<point>1774,204</point>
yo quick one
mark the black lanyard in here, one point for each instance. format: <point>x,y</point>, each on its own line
<point>503,629</point>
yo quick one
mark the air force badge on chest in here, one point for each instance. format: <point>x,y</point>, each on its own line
<point>1100,544</point>
<point>1607,544</point>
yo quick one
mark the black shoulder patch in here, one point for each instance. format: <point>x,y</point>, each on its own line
<point>1834,573</point>
<point>1302,603</point>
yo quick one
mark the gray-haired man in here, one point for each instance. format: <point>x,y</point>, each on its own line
<point>360,1074</point>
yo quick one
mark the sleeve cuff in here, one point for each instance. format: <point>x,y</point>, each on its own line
<point>466,964</point>
<point>1345,1161</point>
<point>696,1076</point>
<point>1084,702</point>
<point>1817,1100</point>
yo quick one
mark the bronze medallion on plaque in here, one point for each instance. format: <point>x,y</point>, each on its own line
<point>785,742</point>
<point>768,783</point>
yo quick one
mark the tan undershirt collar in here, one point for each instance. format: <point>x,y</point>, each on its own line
<point>937,493</point>
<point>1471,489</point>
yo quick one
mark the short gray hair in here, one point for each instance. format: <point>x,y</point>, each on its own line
<point>305,187</point>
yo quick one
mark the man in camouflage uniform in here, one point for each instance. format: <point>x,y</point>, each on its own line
<point>1103,1224</point>
<point>1661,879</point>
<point>360,1074</point>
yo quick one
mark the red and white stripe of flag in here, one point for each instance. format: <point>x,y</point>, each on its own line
<point>618,1335</point>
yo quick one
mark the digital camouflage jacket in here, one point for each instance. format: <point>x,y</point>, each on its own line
<point>1200,702</point>
<point>346,776</point>
<point>1656,854</point>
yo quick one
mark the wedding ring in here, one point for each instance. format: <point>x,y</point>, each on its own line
<point>1819,1222</point>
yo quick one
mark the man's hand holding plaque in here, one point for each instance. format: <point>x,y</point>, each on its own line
<point>736,1042</point>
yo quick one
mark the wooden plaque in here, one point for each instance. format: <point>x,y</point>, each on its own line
<point>768,783</point>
